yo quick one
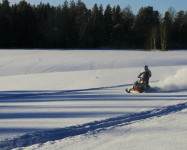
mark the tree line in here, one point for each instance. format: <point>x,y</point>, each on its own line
<point>73,25</point>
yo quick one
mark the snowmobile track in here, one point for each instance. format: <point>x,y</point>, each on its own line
<point>93,127</point>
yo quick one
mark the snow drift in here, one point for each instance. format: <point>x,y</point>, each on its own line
<point>175,82</point>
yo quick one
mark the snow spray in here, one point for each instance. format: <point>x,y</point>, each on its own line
<point>176,82</point>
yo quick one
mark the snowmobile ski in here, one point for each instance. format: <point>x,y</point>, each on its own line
<point>131,91</point>
<point>128,91</point>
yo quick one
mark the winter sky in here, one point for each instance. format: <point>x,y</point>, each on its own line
<point>160,5</point>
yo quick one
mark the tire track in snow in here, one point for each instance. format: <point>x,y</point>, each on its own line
<point>93,127</point>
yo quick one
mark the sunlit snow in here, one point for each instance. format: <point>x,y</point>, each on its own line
<point>81,94</point>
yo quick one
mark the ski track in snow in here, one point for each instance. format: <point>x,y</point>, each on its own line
<point>93,127</point>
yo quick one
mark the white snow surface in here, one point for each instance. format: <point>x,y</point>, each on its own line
<point>76,99</point>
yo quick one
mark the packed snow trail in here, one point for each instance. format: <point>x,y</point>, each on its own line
<point>93,127</point>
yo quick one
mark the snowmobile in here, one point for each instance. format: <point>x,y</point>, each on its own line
<point>138,87</point>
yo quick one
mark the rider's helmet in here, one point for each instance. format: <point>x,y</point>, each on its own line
<point>146,67</point>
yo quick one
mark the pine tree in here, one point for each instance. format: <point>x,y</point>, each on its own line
<point>177,28</point>
<point>127,24</point>
<point>64,23</point>
<point>97,16</point>
<point>84,25</point>
<point>5,24</point>
<point>165,31</point>
<point>25,24</point>
<point>73,33</point>
<point>184,32</point>
<point>108,25</point>
<point>145,20</point>
<point>116,15</point>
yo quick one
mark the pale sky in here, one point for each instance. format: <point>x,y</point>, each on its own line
<point>160,5</point>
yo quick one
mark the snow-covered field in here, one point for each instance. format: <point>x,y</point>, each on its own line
<point>75,99</point>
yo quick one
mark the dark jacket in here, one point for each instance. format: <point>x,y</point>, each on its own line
<point>146,74</point>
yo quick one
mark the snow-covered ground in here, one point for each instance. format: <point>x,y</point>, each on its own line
<point>75,99</point>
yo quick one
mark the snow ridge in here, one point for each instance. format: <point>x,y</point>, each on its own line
<point>93,127</point>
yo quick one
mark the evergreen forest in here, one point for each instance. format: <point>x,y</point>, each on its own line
<point>73,25</point>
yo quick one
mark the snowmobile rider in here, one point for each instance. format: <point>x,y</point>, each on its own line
<point>145,74</point>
